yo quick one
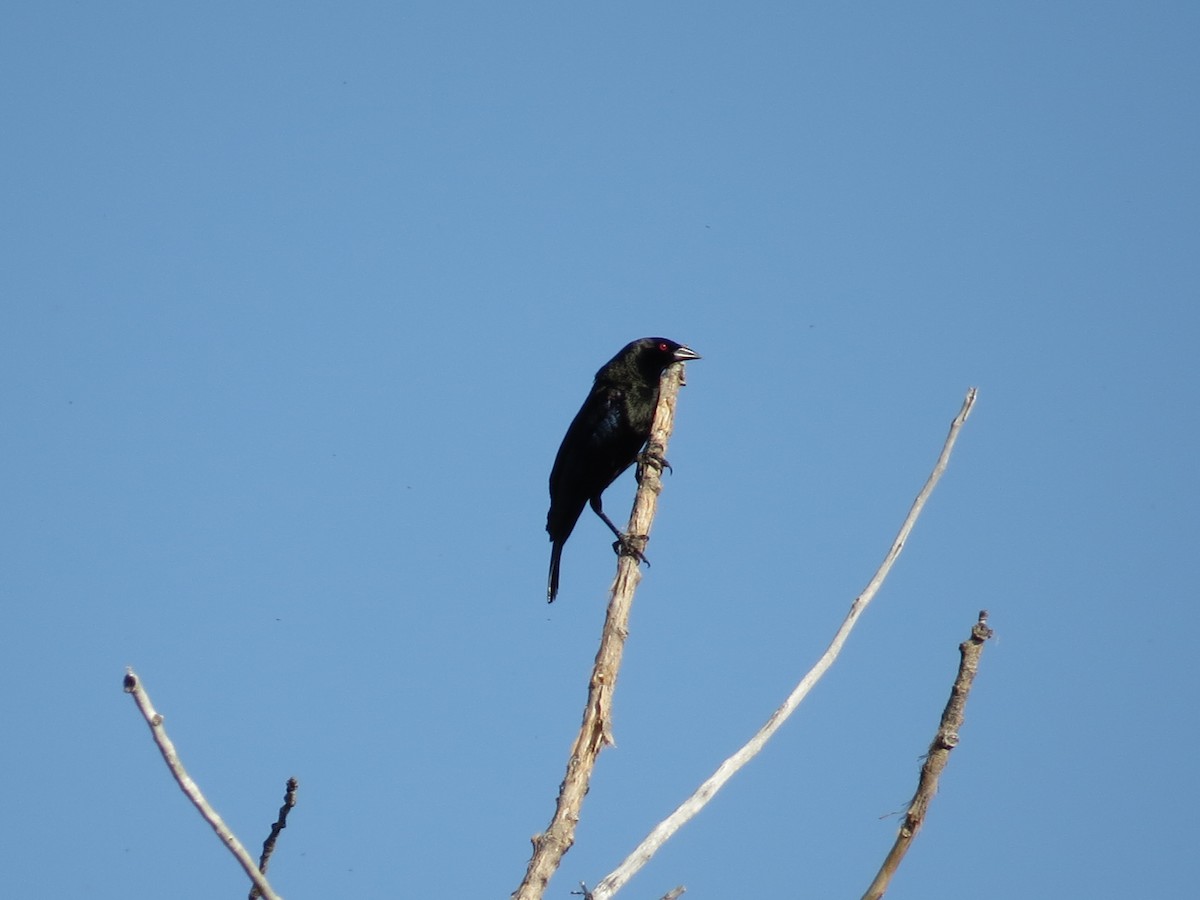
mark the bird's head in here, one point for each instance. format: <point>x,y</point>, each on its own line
<point>653,354</point>
<point>645,358</point>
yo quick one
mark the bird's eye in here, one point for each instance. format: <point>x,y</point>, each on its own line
<point>662,345</point>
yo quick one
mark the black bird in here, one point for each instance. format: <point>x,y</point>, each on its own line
<point>605,437</point>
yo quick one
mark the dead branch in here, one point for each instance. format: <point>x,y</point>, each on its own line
<point>550,846</point>
<point>938,756</point>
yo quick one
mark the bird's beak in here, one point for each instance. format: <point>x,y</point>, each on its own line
<point>685,353</point>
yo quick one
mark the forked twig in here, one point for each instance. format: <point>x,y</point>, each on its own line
<point>133,685</point>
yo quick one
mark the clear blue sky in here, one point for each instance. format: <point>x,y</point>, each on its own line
<point>300,298</point>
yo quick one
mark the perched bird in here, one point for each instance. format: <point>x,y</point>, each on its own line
<point>605,437</point>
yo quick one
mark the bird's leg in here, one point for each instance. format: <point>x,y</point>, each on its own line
<point>651,456</point>
<point>625,544</point>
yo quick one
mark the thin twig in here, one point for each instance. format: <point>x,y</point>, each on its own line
<point>596,729</point>
<point>616,879</point>
<point>944,741</point>
<point>133,685</point>
<point>289,802</point>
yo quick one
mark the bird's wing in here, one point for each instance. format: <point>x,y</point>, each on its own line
<point>605,415</point>
<point>583,458</point>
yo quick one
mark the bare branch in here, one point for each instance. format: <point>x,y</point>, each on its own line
<point>596,730</point>
<point>289,802</point>
<point>944,741</point>
<point>154,719</point>
<point>615,880</point>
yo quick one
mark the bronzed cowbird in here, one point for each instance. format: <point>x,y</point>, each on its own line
<point>605,437</point>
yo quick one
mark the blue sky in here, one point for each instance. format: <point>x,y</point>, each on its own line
<point>300,298</point>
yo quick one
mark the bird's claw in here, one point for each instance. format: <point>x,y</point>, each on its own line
<point>652,457</point>
<point>631,545</point>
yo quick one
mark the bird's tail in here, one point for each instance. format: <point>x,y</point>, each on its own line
<point>552,584</point>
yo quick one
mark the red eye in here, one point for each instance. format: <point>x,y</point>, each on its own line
<point>663,346</point>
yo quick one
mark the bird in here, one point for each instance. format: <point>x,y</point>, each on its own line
<point>605,437</point>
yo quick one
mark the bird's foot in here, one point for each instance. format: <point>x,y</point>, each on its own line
<point>632,545</point>
<point>652,457</point>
